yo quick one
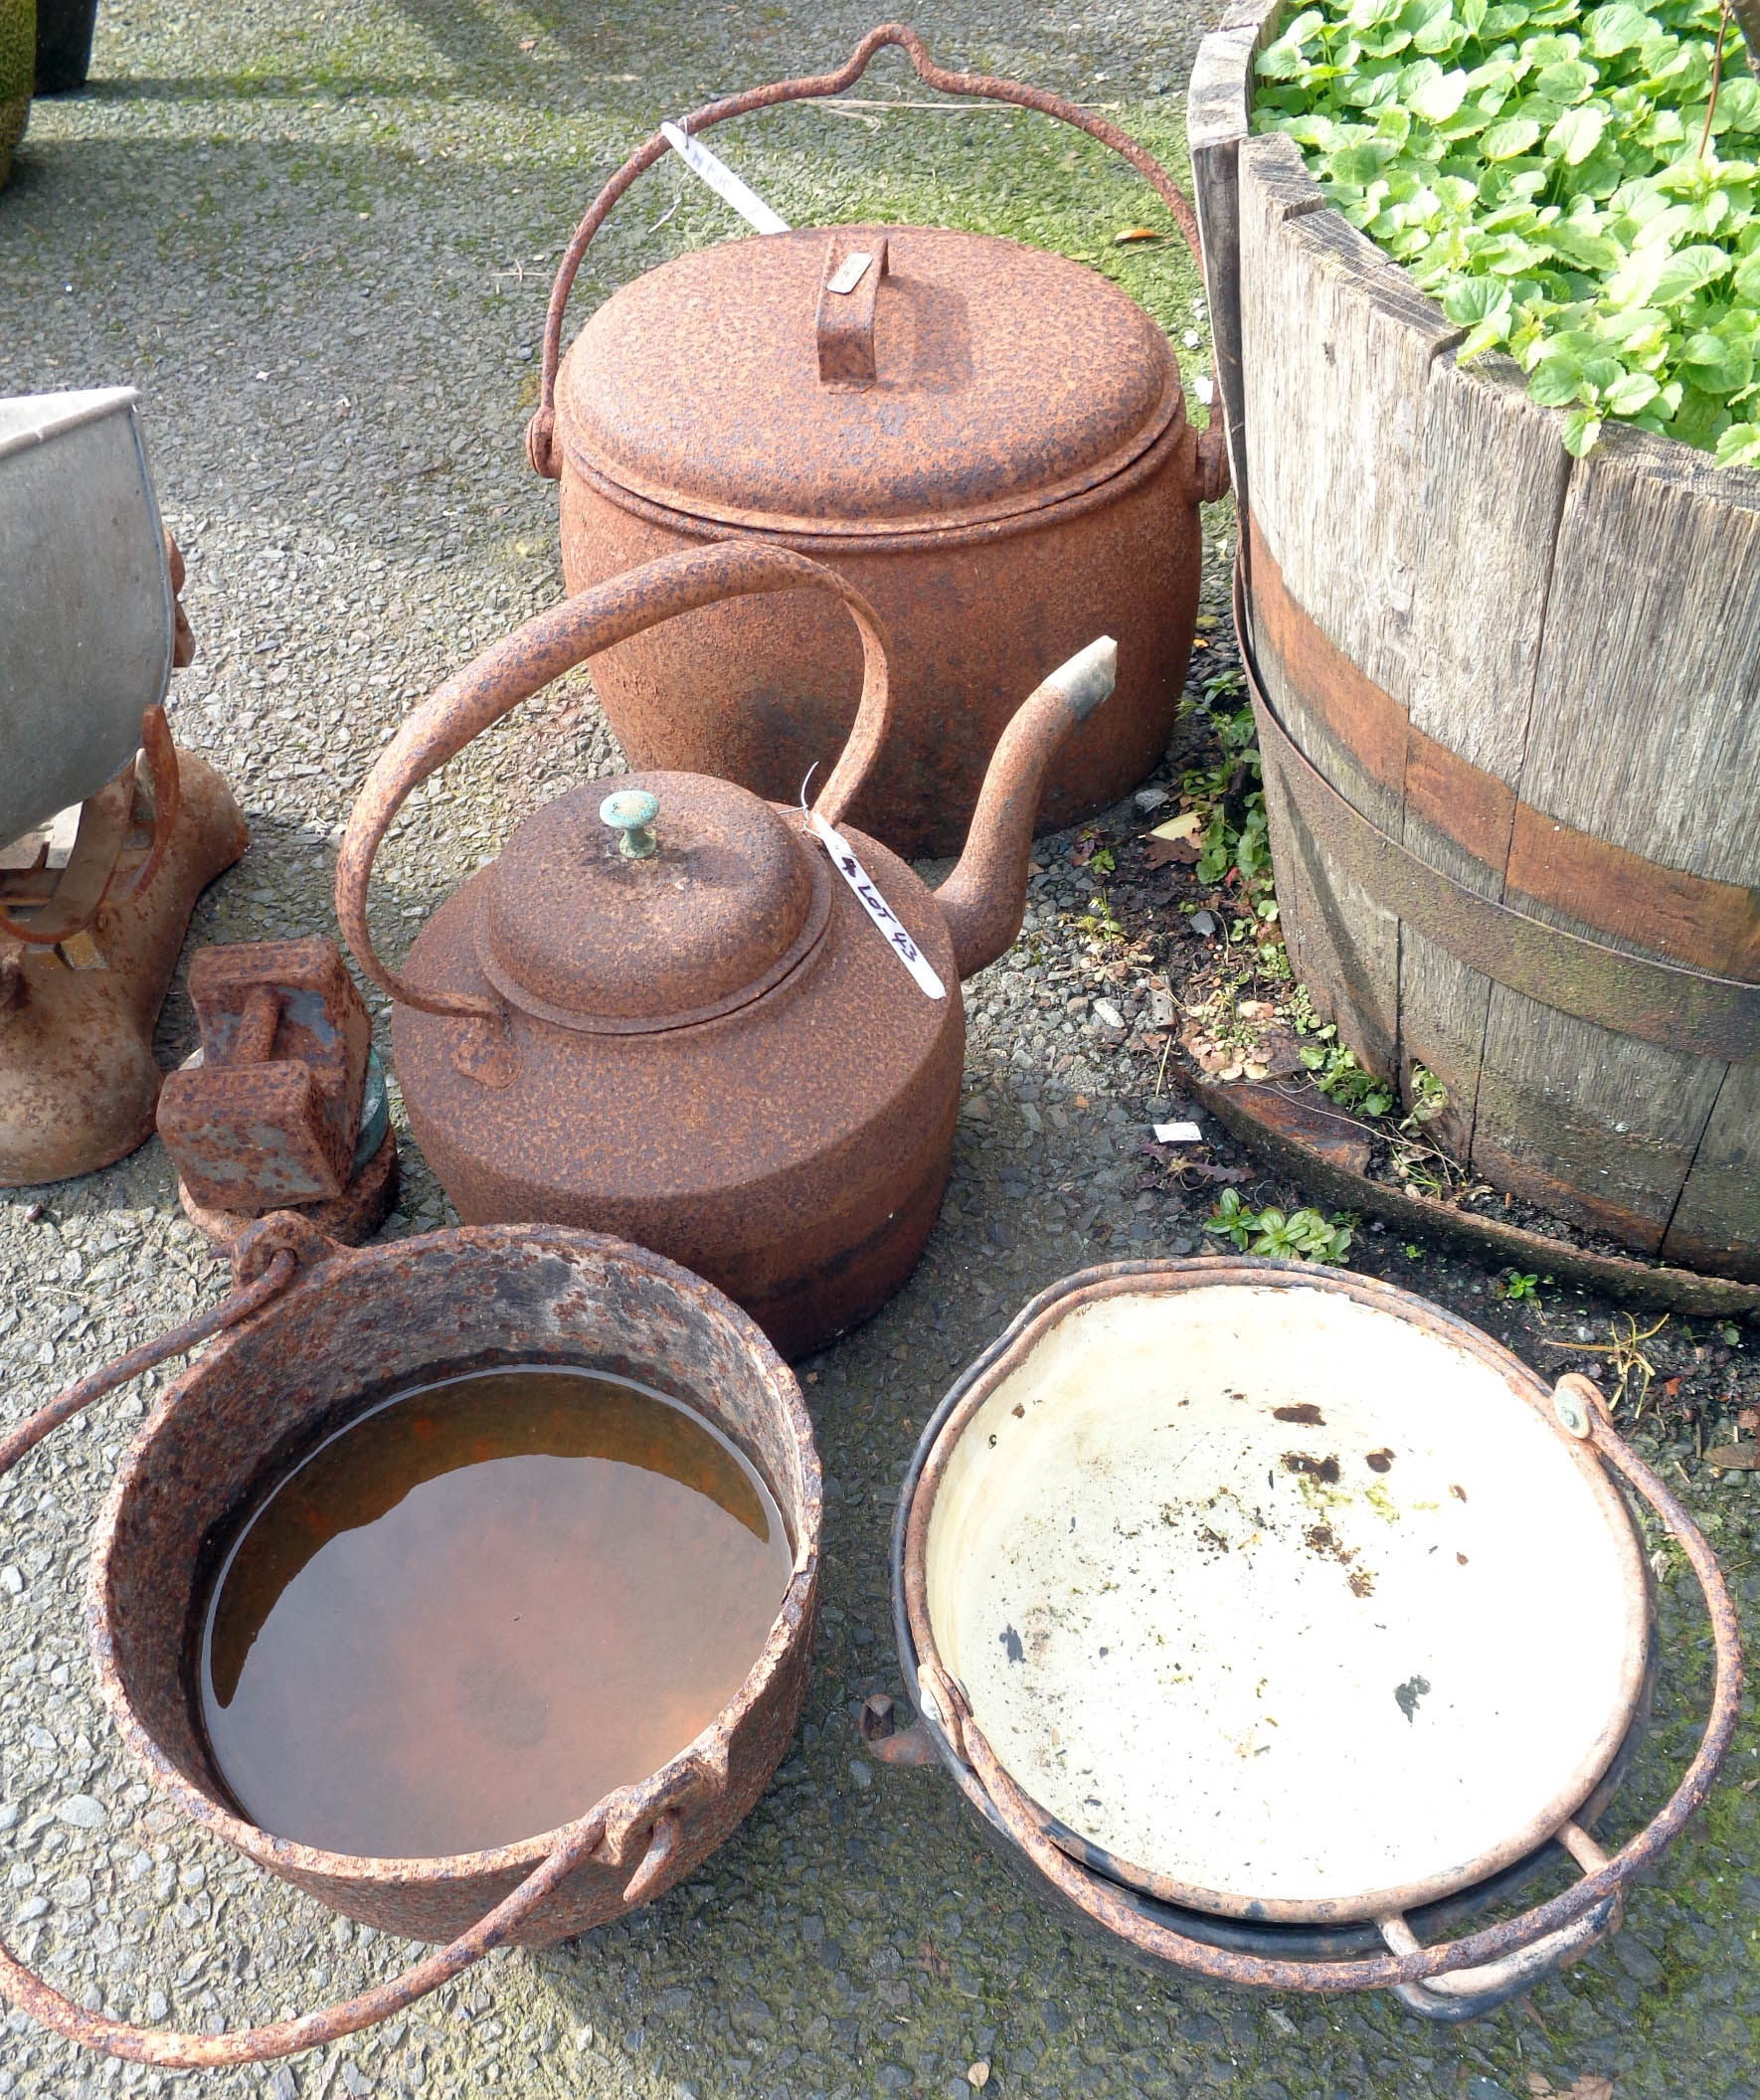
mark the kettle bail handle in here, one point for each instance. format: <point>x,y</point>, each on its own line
<point>524,662</point>
<point>541,431</point>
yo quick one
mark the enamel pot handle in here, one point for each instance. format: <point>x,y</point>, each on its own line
<point>265,1262</point>
<point>541,431</point>
<point>523,662</point>
<point>1487,1965</point>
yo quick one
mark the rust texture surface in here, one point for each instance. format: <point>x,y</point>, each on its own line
<point>1002,465</point>
<point>311,1332</point>
<point>78,1079</point>
<point>269,1117</point>
<point>711,1050</point>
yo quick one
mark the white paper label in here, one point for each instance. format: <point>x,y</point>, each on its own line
<point>877,909</point>
<point>1178,1134</point>
<point>723,181</point>
<point>849,273</point>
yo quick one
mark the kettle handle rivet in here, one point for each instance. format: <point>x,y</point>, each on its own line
<point>632,812</point>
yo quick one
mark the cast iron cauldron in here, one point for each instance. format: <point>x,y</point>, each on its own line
<point>666,1014</point>
<point>313,1334</point>
<point>988,440</point>
<point>1274,1619</point>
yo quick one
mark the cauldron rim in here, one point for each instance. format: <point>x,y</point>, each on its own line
<point>704,1757</point>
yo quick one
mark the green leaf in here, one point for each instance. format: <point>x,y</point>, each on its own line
<point>1586,250</point>
<point>1474,300</point>
<point>1577,134</point>
<point>1556,379</point>
<point>1507,140</point>
<point>1747,279</point>
<point>1686,272</point>
<point>1739,445</point>
<point>1565,81</point>
<point>1359,164</point>
<point>1739,103</point>
<point>1582,428</point>
<point>1500,21</point>
<point>1715,365</point>
<point>1627,395</point>
<point>1438,99</point>
<point>1616,29</point>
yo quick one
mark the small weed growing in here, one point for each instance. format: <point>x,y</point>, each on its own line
<point>1302,1235</point>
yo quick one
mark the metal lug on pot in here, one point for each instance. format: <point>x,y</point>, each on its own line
<point>888,1742</point>
<point>1575,1403</point>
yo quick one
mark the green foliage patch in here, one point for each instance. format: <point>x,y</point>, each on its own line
<point>1559,177</point>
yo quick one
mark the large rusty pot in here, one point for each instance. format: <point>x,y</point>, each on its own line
<point>314,1334</point>
<point>669,1012</point>
<point>989,442</point>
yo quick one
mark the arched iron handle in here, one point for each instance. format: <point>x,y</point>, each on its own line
<point>541,431</point>
<point>1556,1928</point>
<point>266,1261</point>
<point>525,661</point>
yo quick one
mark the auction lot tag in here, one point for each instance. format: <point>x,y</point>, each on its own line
<point>877,909</point>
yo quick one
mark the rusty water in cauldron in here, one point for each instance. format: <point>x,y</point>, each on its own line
<point>478,1606</point>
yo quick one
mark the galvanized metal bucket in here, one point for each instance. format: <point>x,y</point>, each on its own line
<point>87,643</point>
<point>1216,1582</point>
<point>312,1333</point>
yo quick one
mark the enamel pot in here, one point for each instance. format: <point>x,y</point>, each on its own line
<point>1275,1619</point>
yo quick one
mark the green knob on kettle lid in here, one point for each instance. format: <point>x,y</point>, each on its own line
<point>632,812</point>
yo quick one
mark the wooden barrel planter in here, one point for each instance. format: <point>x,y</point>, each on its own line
<point>1510,713</point>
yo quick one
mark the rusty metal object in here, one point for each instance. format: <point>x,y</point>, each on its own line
<point>709,1048</point>
<point>78,1079</point>
<point>308,1332</point>
<point>269,1117</point>
<point>1489,1964</point>
<point>1278,1127</point>
<point>986,441</point>
<point>885,1740</point>
<point>348,1218</point>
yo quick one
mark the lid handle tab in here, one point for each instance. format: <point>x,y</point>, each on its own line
<point>848,289</point>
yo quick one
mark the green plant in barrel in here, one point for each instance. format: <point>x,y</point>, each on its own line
<point>1575,184</point>
<point>18,66</point>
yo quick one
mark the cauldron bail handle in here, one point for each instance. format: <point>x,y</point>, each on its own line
<point>1523,1949</point>
<point>277,1248</point>
<point>523,662</point>
<point>541,431</point>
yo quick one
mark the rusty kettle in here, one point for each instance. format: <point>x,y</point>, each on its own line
<point>677,1012</point>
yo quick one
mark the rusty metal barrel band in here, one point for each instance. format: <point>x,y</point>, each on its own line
<point>1694,920</point>
<point>1659,1002</point>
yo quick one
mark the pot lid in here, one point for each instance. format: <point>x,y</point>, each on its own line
<point>666,900</point>
<point>1003,379</point>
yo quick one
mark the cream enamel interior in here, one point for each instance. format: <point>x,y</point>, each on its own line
<point>1199,1652</point>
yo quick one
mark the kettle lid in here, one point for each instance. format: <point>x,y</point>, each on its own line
<point>669,898</point>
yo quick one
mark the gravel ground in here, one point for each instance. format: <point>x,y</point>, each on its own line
<point>319,241</point>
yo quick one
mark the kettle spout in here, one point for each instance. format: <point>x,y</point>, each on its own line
<point>984,899</point>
